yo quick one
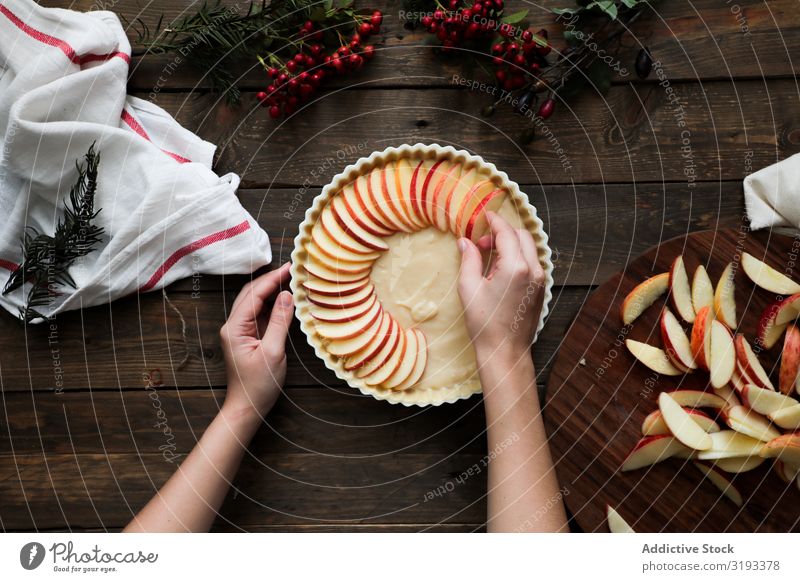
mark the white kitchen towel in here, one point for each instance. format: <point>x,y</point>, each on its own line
<point>166,214</point>
<point>772,195</point>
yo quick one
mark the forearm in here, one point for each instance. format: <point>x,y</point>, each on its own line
<point>190,500</point>
<point>523,491</point>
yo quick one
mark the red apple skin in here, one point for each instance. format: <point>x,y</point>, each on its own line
<point>469,232</point>
<point>341,289</point>
<point>698,336</point>
<point>669,347</point>
<point>743,363</point>
<point>426,188</point>
<point>790,360</point>
<point>368,206</point>
<point>413,187</point>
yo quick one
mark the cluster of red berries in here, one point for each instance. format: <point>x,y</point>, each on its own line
<point>517,59</point>
<point>462,24</point>
<point>296,80</point>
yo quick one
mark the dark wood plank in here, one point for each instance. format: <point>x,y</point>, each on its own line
<point>598,395</point>
<point>632,135</point>
<point>298,528</point>
<point>704,39</point>
<point>317,420</point>
<point>104,491</point>
<point>116,345</point>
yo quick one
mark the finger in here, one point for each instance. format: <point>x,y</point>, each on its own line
<point>274,340</point>
<point>506,243</point>
<point>486,242</point>
<point>529,250</point>
<point>471,272</point>
<point>250,301</point>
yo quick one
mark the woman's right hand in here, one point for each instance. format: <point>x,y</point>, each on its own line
<point>502,309</point>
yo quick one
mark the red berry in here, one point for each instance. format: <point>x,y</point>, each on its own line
<point>498,61</point>
<point>476,8</point>
<point>317,77</point>
<point>547,108</point>
<point>369,52</point>
<point>427,21</point>
<point>365,28</point>
<point>271,89</point>
<point>356,61</point>
<point>527,36</point>
<point>501,76</point>
<point>274,112</point>
<point>309,26</point>
<point>273,72</point>
<point>344,51</point>
<point>293,85</point>
<point>466,14</point>
<point>292,101</point>
<point>291,66</point>
<point>438,15</point>
<point>497,49</point>
<point>288,109</point>
<point>316,49</point>
<point>282,78</point>
<point>306,91</point>
<point>261,96</point>
<point>377,19</point>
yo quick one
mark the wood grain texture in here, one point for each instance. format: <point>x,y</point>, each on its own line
<point>598,395</point>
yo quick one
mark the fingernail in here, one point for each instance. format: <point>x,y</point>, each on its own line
<point>286,264</point>
<point>284,299</point>
<point>462,245</point>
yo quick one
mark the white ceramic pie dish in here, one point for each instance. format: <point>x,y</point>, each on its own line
<point>413,396</point>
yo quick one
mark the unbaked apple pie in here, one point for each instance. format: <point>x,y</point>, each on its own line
<point>375,269</point>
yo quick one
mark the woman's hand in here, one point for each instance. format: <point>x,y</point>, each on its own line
<point>501,309</point>
<point>254,342</point>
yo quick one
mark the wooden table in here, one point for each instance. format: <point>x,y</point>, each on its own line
<point>88,455</point>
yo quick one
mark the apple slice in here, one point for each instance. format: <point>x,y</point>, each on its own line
<point>341,301</point>
<point>349,329</point>
<point>476,193</point>
<point>677,344</point>
<point>408,362</point>
<point>654,424</point>
<point>750,367</point>
<point>786,471</point>
<point>333,276</point>
<point>788,418</point>
<point>478,224</point>
<point>702,289</point>
<point>343,215</point>
<point>437,208</point>
<point>728,394</point>
<point>680,291</point>
<point>729,443</point>
<point>722,355</point>
<point>337,236</point>
<point>385,354</point>
<point>363,209</point>
<point>358,344</point>
<point>722,482</point>
<point>701,337</point>
<point>697,399</point>
<point>458,197</point>
<point>377,203</point>
<point>682,425</point>
<point>786,448</point>
<point>790,361</point>
<point>418,179</point>
<point>384,189</point>
<point>318,257</point>
<point>334,315</point>
<point>643,296</point>
<point>419,365</point>
<point>436,174</point>
<point>378,375</point>
<point>750,423</point>
<point>334,250</point>
<point>739,464</point>
<point>653,449</point>
<point>652,357</point>
<point>403,175</point>
<point>615,522</point>
<point>765,401</point>
<point>766,277</point>
<point>724,300</point>
<point>323,287</point>
<point>769,332</point>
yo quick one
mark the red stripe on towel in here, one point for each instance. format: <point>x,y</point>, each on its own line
<point>130,120</point>
<point>8,265</point>
<point>191,247</point>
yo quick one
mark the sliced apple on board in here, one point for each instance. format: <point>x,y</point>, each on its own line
<point>415,188</point>
<point>787,418</point>
<point>341,301</point>
<point>681,424</point>
<point>317,256</point>
<point>346,218</point>
<point>749,365</point>
<point>765,401</point>
<point>362,209</point>
<point>389,199</point>
<point>338,236</point>
<point>766,277</point>
<point>680,291</point>
<point>654,358</point>
<point>349,329</point>
<point>616,524</point>
<point>653,449</point>
<point>701,337</point>
<point>677,345</point>
<point>342,314</point>
<point>323,287</point>
<point>654,424</point>
<point>697,399</point>
<point>773,321</point>
<point>363,347</point>
<point>785,447</point>
<point>721,481</point>
<point>790,361</point>
<point>750,423</point>
<point>786,471</point>
<point>739,464</point>
<point>702,289</point>
<point>643,296</point>
<point>722,353</point>
<point>729,395</point>
<point>729,443</point>
<point>724,300</point>
<point>403,174</point>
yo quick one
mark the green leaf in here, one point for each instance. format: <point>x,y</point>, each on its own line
<point>600,75</point>
<point>328,4</point>
<point>571,36</point>
<point>515,17</point>
<point>630,3</point>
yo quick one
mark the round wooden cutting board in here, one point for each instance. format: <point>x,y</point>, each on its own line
<point>598,395</point>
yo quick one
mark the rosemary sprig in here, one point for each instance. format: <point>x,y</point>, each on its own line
<point>47,259</point>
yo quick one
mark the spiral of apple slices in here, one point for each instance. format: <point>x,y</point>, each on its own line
<point>406,195</point>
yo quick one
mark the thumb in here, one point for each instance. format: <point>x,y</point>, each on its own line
<point>471,271</point>
<point>279,320</point>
